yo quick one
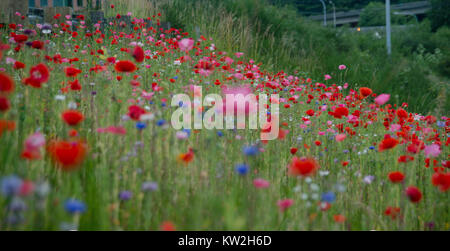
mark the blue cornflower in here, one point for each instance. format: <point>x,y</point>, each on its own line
<point>180,104</point>
<point>440,123</point>
<point>74,206</point>
<point>10,185</point>
<point>140,125</point>
<point>160,122</point>
<point>250,150</point>
<point>187,131</point>
<point>371,147</point>
<point>242,169</point>
<point>220,133</point>
<point>163,104</point>
<point>329,197</point>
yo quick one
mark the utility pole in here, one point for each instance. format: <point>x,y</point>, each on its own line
<point>388,27</point>
<point>334,13</point>
<point>324,13</point>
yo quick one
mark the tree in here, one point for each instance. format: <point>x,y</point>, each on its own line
<point>440,14</point>
<point>374,14</point>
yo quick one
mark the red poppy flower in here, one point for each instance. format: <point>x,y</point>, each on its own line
<point>73,133</point>
<point>402,113</point>
<point>68,155</point>
<point>125,66</point>
<point>72,117</point>
<point>39,74</point>
<point>4,104</point>
<point>186,157</point>
<point>387,143</point>
<point>339,218</point>
<point>405,159</point>
<point>339,112</point>
<point>6,84</point>
<point>413,194</point>
<point>310,112</point>
<point>135,83</point>
<point>204,65</point>
<point>135,112</point>
<point>441,180</point>
<point>138,54</point>
<point>18,65</point>
<point>293,150</point>
<point>75,85</point>
<point>72,71</point>
<point>36,44</point>
<point>303,166</point>
<point>365,91</point>
<point>7,125</point>
<point>30,155</point>
<point>393,212</point>
<point>111,60</point>
<point>430,119</point>
<point>20,38</point>
<point>167,225</point>
<point>415,146</point>
<point>396,177</point>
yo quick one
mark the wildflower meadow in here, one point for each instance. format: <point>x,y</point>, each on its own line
<point>87,140</point>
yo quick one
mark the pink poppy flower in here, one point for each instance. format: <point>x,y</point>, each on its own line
<point>395,127</point>
<point>186,44</point>
<point>285,204</point>
<point>340,137</point>
<point>261,183</point>
<point>432,150</point>
<point>382,99</point>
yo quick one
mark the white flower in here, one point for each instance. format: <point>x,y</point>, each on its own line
<point>72,105</point>
<point>60,97</point>
<point>147,116</point>
<point>314,187</point>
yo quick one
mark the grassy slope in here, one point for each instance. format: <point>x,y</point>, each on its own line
<point>283,40</point>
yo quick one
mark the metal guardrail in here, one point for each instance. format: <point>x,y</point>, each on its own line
<point>419,7</point>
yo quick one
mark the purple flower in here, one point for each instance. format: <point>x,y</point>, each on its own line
<point>17,205</point>
<point>29,32</point>
<point>10,185</point>
<point>149,186</point>
<point>368,179</point>
<point>125,195</point>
